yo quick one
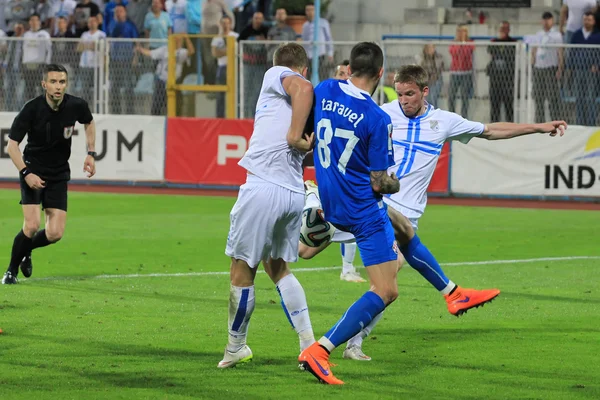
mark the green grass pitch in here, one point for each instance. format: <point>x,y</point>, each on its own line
<point>93,323</point>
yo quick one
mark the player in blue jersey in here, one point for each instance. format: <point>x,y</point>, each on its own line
<point>419,132</point>
<point>353,152</point>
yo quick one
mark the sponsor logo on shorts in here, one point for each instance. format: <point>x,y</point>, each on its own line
<point>395,248</point>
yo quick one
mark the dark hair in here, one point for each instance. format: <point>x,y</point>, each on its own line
<point>547,15</point>
<point>34,15</point>
<point>54,68</point>
<point>412,74</point>
<point>310,3</point>
<point>345,63</point>
<point>225,16</point>
<point>366,60</point>
<point>588,13</point>
<point>120,5</point>
<point>291,55</point>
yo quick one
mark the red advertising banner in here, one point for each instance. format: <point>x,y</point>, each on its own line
<point>207,151</point>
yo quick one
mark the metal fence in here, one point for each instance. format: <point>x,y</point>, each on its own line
<point>481,80</point>
<point>110,74</point>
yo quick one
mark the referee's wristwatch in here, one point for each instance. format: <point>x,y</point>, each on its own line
<point>93,154</point>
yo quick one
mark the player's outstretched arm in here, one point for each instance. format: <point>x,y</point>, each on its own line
<point>509,130</point>
<point>301,93</point>
<point>383,183</point>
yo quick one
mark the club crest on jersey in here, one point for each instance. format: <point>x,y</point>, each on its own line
<point>68,132</point>
<point>395,248</point>
<point>434,125</point>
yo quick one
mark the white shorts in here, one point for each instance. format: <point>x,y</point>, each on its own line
<point>265,222</point>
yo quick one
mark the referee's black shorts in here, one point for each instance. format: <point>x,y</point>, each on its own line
<point>53,195</point>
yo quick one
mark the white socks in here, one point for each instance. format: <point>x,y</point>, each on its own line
<point>241,306</point>
<point>294,304</point>
<point>348,253</point>
<point>366,331</point>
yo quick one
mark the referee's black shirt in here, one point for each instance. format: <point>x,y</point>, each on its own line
<point>49,134</point>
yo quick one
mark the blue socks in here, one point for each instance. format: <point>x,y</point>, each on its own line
<point>359,315</point>
<point>421,259</point>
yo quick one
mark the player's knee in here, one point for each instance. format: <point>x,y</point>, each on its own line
<point>31,227</point>
<point>391,295</point>
<point>54,235</point>
<point>388,294</point>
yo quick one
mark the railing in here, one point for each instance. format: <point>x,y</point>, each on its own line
<point>487,82</point>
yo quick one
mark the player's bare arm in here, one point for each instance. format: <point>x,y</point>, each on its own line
<point>89,165</point>
<point>383,183</point>
<point>34,181</point>
<point>509,130</point>
<point>301,93</point>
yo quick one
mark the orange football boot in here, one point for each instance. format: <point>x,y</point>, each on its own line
<point>463,300</point>
<point>315,359</point>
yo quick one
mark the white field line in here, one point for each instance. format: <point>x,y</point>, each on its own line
<point>317,269</point>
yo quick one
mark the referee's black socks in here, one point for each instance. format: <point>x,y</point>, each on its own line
<point>40,240</point>
<point>21,247</point>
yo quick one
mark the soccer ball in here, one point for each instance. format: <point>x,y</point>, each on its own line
<point>315,230</point>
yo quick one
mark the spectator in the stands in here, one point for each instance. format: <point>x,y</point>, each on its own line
<point>161,55</point>
<point>461,70</point>
<point>193,14</point>
<point>584,61</point>
<point>18,11</point>
<point>90,59</point>
<point>83,11</point>
<point>37,52</point>
<point>280,31</point>
<point>433,63</point>
<point>43,9</point>
<point>219,51</point>
<point>122,62</point>
<point>157,25</point>
<point>255,61</point>
<point>109,14</point>
<point>176,10</point>
<point>212,12</point>
<point>58,9</point>
<point>571,16</point>
<point>63,51</point>
<point>547,69</point>
<point>12,62</point>
<point>136,12</point>
<point>325,49</point>
<point>501,71</point>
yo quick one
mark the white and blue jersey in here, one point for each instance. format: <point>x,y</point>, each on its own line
<point>353,138</point>
<point>418,143</point>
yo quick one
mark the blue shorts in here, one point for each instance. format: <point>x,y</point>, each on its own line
<point>375,239</point>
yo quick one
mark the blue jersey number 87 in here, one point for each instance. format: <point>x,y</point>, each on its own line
<point>325,135</point>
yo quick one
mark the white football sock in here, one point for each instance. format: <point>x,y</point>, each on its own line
<point>366,331</point>
<point>348,253</point>
<point>241,306</point>
<point>295,306</point>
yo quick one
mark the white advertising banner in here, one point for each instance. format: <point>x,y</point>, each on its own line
<point>533,165</point>
<point>129,147</point>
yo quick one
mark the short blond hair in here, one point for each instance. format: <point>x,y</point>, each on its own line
<point>412,74</point>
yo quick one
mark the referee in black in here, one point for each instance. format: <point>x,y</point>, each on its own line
<point>48,121</point>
